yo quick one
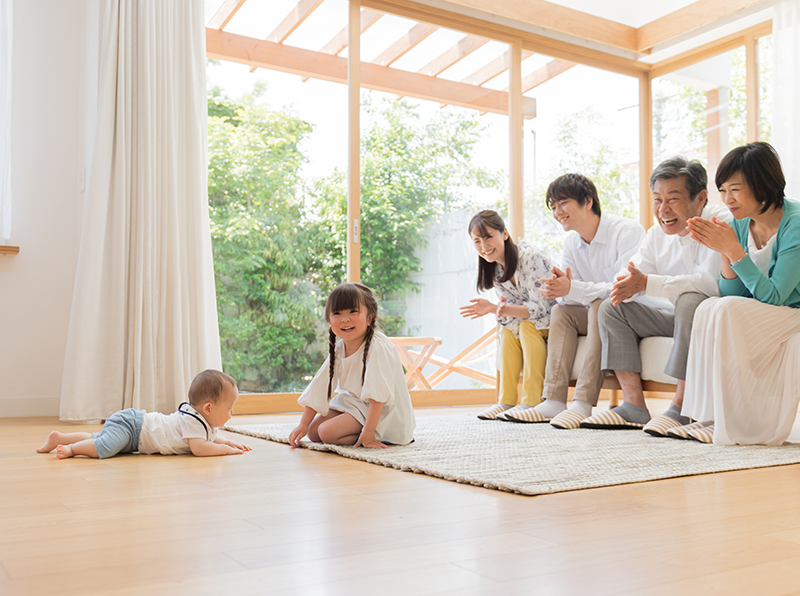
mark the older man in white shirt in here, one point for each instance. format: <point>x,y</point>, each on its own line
<point>596,247</point>
<point>657,294</point>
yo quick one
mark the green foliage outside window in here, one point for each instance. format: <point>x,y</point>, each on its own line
<point>279,240</point>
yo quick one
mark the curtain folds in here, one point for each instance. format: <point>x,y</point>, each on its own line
<point>6,32</point>
<point>143,318</point>
<point>786,90</point>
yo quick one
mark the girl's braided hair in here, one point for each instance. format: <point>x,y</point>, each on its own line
<point>350,296</point>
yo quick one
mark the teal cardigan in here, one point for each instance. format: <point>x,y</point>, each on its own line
<point>782,287</point>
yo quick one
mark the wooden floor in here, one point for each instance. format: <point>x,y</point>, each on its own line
<point>282,521</point>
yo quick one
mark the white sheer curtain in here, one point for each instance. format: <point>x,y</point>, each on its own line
<point>143,319</point>
<point>786,90</point>
<point>6,18</point>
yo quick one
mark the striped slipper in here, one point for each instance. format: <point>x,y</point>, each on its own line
<point>567,420</point>
<point>493,412</point>
<point>659,425</point>
<point>610,421</point>
<point>704,435</point>
<point>682,432</point>
<point>517,414</point>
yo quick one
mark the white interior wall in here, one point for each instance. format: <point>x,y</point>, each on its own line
<point>54,94</point>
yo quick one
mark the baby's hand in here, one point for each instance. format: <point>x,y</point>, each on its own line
<point>238,446</point>
<point>233,450</point>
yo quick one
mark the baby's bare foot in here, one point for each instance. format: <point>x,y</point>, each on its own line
<point>64,451</point>
<point>52,442</point>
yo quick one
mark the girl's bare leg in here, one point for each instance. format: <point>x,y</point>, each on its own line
<point>341,430</point>
<point>56,438</point>
<point>313,428</point>
<point>85,447</point>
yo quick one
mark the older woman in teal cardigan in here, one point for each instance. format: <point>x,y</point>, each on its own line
<point>743,377</point>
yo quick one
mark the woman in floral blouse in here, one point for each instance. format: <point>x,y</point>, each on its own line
<point>514,271</point>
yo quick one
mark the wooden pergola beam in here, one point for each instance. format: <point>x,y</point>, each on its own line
<point>225,13</point>
<point>339,42</point>
<point>533,42</point>
<point>292,21</point>
<point>545,73</point>
<point>496,67</point>
<point>255,52</point>
<point>445,60</point>
<point>416,35</point>
<point>694,16</point>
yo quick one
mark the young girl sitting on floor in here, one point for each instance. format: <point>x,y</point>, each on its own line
<point>371,406</point>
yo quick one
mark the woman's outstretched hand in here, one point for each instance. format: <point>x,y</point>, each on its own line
<point>477,308</point>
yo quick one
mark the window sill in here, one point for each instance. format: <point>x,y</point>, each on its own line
<point>9,250</point>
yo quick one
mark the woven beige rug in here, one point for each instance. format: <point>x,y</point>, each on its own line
<point>535,459</point>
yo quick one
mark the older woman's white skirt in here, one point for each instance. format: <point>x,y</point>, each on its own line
<point>744,370</point>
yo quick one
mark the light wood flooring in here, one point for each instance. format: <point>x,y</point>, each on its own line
<point>282,521</point>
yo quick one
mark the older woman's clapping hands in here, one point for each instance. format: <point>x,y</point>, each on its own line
<point>716,235</point>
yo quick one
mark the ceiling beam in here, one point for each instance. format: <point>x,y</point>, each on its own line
<point>694,16</point>
<point>221,45</point>
<point>708,50</point>
<point>496,67</point>
<point>416,35</point>
<point>225,13</point>
<point>533,42</point>
<point>540,13</point>
<point>445,60</point>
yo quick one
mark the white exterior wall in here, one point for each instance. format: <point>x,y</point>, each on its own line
<point>449,273</point>
<point>53,108</point>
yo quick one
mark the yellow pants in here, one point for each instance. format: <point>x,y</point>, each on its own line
<point>531,350</point>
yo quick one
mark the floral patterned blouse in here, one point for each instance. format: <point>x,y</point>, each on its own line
<point>532,265</point>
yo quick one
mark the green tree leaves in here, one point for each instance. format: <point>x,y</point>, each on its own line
<point>280,242</point>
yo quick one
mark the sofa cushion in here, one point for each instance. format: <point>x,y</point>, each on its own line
<point>654,352</point>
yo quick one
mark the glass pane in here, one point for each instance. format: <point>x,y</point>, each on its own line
<point>275,139</point>
<point>592,133</point>
<point>426,168</point>
<point>700,112</point>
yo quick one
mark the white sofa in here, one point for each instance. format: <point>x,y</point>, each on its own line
<point>654,352</point>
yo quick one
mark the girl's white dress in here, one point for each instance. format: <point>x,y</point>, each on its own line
<point>384,382</point>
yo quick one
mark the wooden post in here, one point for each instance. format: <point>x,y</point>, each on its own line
<point>645,150</point>
<point>751,88</point>
<point>354,143</point>
<point>716,134</point>
<point>515,124</point>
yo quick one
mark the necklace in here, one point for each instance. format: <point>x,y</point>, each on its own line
<point>767,228</point>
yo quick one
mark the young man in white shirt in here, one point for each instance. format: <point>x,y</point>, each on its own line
<point>597,246</point>
<point>670,275</point>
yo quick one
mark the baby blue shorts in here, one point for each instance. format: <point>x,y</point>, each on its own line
<point>120,433</point>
